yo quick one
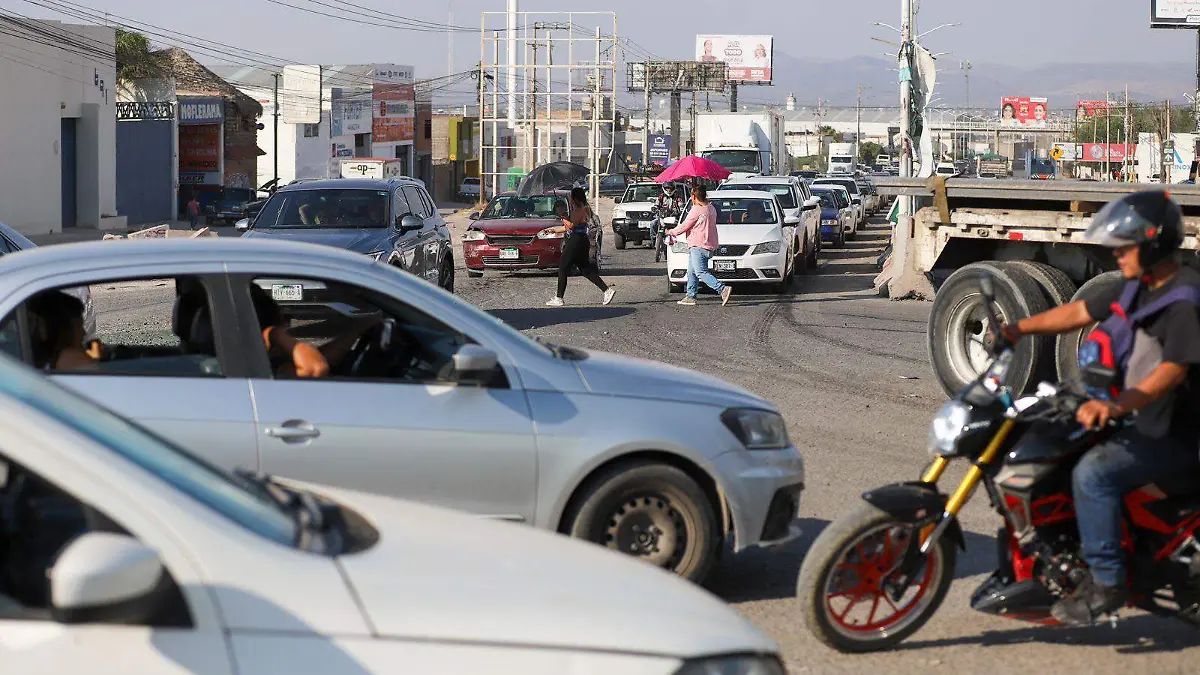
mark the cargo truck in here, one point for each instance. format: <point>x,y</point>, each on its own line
<point>841,158</point>
<point>747,144</point>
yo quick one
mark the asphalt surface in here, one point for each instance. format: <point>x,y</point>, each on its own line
<point>850,372</point>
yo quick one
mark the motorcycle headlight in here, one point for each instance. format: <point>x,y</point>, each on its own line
<point>733,665</point>
<point>548,234</point>
<point>474,235</point>
<point>376,254</point>
<point>757,429</point>
<point>948,426</point>
<point>766,247</point>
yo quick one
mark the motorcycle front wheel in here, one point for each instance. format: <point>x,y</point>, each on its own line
<point>841,587</point>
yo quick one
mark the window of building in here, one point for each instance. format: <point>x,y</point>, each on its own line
<point>428,129</point>
<point>312,130</point>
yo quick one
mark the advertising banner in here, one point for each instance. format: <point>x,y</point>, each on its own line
<point>302,102</point>
<point>351,113</point>
<point>1023,111</point>
<point>748,58</point>
<point>201,110</point>
<point>394,101</point>
<point>1116,152</point>
<point>660,149</point>
<point>200,154</point>
<point>1175,13</point>
<point>1089,109</point>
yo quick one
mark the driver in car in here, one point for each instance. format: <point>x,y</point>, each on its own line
<point>57,327</point>
<point>291,357</point>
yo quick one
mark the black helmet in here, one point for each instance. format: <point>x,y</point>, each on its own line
<point>1151,220</point>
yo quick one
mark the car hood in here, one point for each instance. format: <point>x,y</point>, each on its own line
<point>529,226</point>
<point>748,234</point>
<point>439,575</point>
<point>358,240</point>
<point>615,375</point>
<point>620,210</point>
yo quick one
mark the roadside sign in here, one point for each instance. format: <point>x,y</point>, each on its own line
<point>1056,153</point>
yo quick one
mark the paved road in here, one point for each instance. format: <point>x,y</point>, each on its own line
<point>839,362</point>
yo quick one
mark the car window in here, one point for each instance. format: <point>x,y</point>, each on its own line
<point>641,193</point>
<point>783,191</point>
<point>317,209</point>
<point>744,211</point>
<point>362,334</point>
<point>539,206</point>
<point>827,200</point>
<point>168,332</point>
<point>400,204</point>
<point>413,196</point>
<point>7,246</point>
<point>610,181</point>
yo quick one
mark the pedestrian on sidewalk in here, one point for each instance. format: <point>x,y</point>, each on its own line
<point>577,247</point>
<point>700,226</point>
<point>193,212</point>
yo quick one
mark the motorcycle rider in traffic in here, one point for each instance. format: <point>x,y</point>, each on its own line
<point>1144,231</point>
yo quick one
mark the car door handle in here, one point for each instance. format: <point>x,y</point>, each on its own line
<point>294,431</point>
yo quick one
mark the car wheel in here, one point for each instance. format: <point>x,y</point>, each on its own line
<point>651,511</point>
<point>474,274</point>
<point>446,275</point>
<point>619,241</point>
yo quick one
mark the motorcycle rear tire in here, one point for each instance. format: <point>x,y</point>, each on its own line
<point>827,551</point>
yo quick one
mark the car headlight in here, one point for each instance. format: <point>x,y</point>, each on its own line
<point>679,247</point>
<point>830,223</point>
<point>619,221</point>
<point>376,254</point>
<point>766,247</point>
<point>548,233</point>
<point>757,429</point>
<point>948,426</point>
<point>474,235</point>
<point>733,665</point>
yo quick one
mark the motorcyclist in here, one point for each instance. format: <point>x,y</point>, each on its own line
<point>1144,231</point>
<point>668,203</point>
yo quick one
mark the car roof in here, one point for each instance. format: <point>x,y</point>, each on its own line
<point>350,184</point>
<point>556,193</point>
<point>764,180</point>
<point>740,194</point>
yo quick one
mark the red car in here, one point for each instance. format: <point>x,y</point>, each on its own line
<point>510,234</point>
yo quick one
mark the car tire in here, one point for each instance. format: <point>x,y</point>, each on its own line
<point>955,321</point>
<point>800,260</point>
<point>627,499</point>
<point>474,274</point>
<point>1066,347</point>
<point>446,275</point>
<point>619,240</point>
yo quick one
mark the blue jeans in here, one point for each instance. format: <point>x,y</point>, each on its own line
<point>1106,473</point>
<point>698,271</point>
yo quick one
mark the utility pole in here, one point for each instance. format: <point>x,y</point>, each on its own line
<point>906,149</point>
<point>646,126</point>
<point>966,67</point>
<point>450,40</point>
<point>858,126</point>
<point>275,151</point>
<point>1107,135</point>
<point>1196,103</point>
<point>733,106</point>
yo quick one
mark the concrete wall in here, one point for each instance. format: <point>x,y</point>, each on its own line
<point>45,84</point>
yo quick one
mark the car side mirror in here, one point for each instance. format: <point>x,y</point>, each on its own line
<point>791,220</point>
<point>409,223</point>
<point>474,215</point>
<point>105,578</point>
<point>618,199</point>
<point>242,225</point>
<point>475,365</point>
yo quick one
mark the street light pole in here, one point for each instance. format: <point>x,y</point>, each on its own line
<point>858,127</point>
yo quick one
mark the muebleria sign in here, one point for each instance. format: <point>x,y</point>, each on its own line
<point>206,110</point>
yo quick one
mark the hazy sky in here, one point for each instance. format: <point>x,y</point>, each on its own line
<point>1014,32</point>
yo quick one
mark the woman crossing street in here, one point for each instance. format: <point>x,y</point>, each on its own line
<point>576,249</point>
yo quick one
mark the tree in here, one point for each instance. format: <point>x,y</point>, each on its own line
<point>134,59</point>
<point>868,151</point>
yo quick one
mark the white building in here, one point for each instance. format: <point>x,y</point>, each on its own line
<point>58,141</point>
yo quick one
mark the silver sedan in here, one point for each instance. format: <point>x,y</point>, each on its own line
<point>428,398</point>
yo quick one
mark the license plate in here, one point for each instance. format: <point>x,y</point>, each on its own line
<point>287,292</point>
<point>725,265</point>
<point>645,224</point>
<point>510,254</point>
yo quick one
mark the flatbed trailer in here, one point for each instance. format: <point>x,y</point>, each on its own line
<point>1029,236</point>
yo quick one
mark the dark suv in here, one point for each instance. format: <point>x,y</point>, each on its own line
<point>394,221</point>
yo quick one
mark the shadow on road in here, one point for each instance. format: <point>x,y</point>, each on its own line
<point>1140,634</point>
<point>541,317</point>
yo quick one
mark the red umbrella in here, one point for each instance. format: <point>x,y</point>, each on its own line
<point>693,167</point>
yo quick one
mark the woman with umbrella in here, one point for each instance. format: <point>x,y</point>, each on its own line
<point>576,248</point>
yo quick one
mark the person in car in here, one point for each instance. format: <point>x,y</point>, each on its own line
<point>292,357</point>
<point>58,333</point>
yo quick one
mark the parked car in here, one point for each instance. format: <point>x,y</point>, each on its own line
<point>510,234</point>
<point>946,170</point>
<point>837,214</point>
<point>632,215</point>
<point>753,248</point>
<point>469,190</point>
<point>124,553</point>
<point>391,220</point>
<point>229,205</point>
<point>12,241</point>
<point>855,196</point>
<point>797,202</point>
<point>428,398</point>
<point>613,184</point>
<point>851,225</point>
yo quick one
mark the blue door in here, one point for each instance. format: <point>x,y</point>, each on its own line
<point>144,158</point>
<point>68,172</point>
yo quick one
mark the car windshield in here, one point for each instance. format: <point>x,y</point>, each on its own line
<point>782,192</point>
<point>743,211</point>
<point>827,200</point>
<point>178,468</point>
<point>850,185</point>
<point>325,209</point>
<point>470,181</point>
<point>538,206</point>
<point>641,193</point>
<point>737,161</point>
<point>838,196</point>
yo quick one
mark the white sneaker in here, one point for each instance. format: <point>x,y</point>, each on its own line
<point>725,293</point>
<point>608,295</point>
<point>687,300</point>
<point>554,302</point>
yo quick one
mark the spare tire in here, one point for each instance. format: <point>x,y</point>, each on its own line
<point>1066,348</point>
<point>1057,289</point>
<point>958,328</point>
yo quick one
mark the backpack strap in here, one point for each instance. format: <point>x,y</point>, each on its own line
<point>1190,294</point>
<point>1125,301</point>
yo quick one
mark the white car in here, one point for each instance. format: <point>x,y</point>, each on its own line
<point>797,202</point>
<point>852,222</point>
<point>469,188</point>
<point>124,554</point>
<point>633,214</point>
<point>753,248</point>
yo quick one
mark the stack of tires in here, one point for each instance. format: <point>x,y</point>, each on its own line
<point>959,335</point>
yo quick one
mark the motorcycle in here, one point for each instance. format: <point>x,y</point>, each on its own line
<point>876,575</point>
<point>665,223</point>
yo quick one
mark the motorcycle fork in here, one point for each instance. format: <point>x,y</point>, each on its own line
<point>966,487</point>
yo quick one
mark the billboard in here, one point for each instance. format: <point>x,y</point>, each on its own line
<point>1116,152</point>
<point>201,110</point>
<point>1175,13</point>
<point>302,103</point>
<point>200,154</point>
<point>747,57</point>
<point>351,113</point>
<point>1023,111</point>
<point>394,102</point>
<point>660,149</point>
<point>1088,109</point>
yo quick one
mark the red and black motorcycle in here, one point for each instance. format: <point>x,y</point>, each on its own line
<point>878,573</point>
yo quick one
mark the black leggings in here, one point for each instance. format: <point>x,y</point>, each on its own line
<point>575,254</point>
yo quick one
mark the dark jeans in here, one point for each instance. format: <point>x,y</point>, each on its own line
<point>1106,473</point>
<point>575,254</point>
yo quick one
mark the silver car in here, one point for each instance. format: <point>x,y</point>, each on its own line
<point>428,397</point>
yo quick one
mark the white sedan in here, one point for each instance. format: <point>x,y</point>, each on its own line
<point>120,553</point>
<point>752,249</point>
